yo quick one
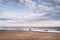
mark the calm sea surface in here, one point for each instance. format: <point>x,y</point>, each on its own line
<point>32,28</point>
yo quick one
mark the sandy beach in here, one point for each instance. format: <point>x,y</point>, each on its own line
<point>27,35</point>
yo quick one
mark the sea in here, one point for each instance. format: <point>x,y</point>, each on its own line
<point>40,29</point>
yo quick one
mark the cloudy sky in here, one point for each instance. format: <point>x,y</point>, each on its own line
<point>29,12</point>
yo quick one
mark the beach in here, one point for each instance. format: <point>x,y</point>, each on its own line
<point>27,35</point>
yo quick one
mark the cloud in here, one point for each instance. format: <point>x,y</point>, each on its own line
<point>33,24</point>
<point>5,19</point>
<point>41,10</point>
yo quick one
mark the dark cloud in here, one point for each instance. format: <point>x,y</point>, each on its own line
<point>54,13</point>
<point>5,19</point>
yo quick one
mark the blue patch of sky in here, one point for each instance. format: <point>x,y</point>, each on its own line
<point>11,6</point>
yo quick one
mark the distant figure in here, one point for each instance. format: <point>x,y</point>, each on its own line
<point>45,30</point>
<point>29,29</point>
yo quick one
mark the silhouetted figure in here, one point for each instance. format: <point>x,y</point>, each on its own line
<point>45,30</point>
<point>29,29</point>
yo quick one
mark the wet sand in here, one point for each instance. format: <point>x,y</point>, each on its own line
<point>27,35</point>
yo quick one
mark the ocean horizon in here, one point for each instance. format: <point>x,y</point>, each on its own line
<point>41,29</point>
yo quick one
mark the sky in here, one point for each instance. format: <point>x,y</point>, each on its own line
<point>30,13</point>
